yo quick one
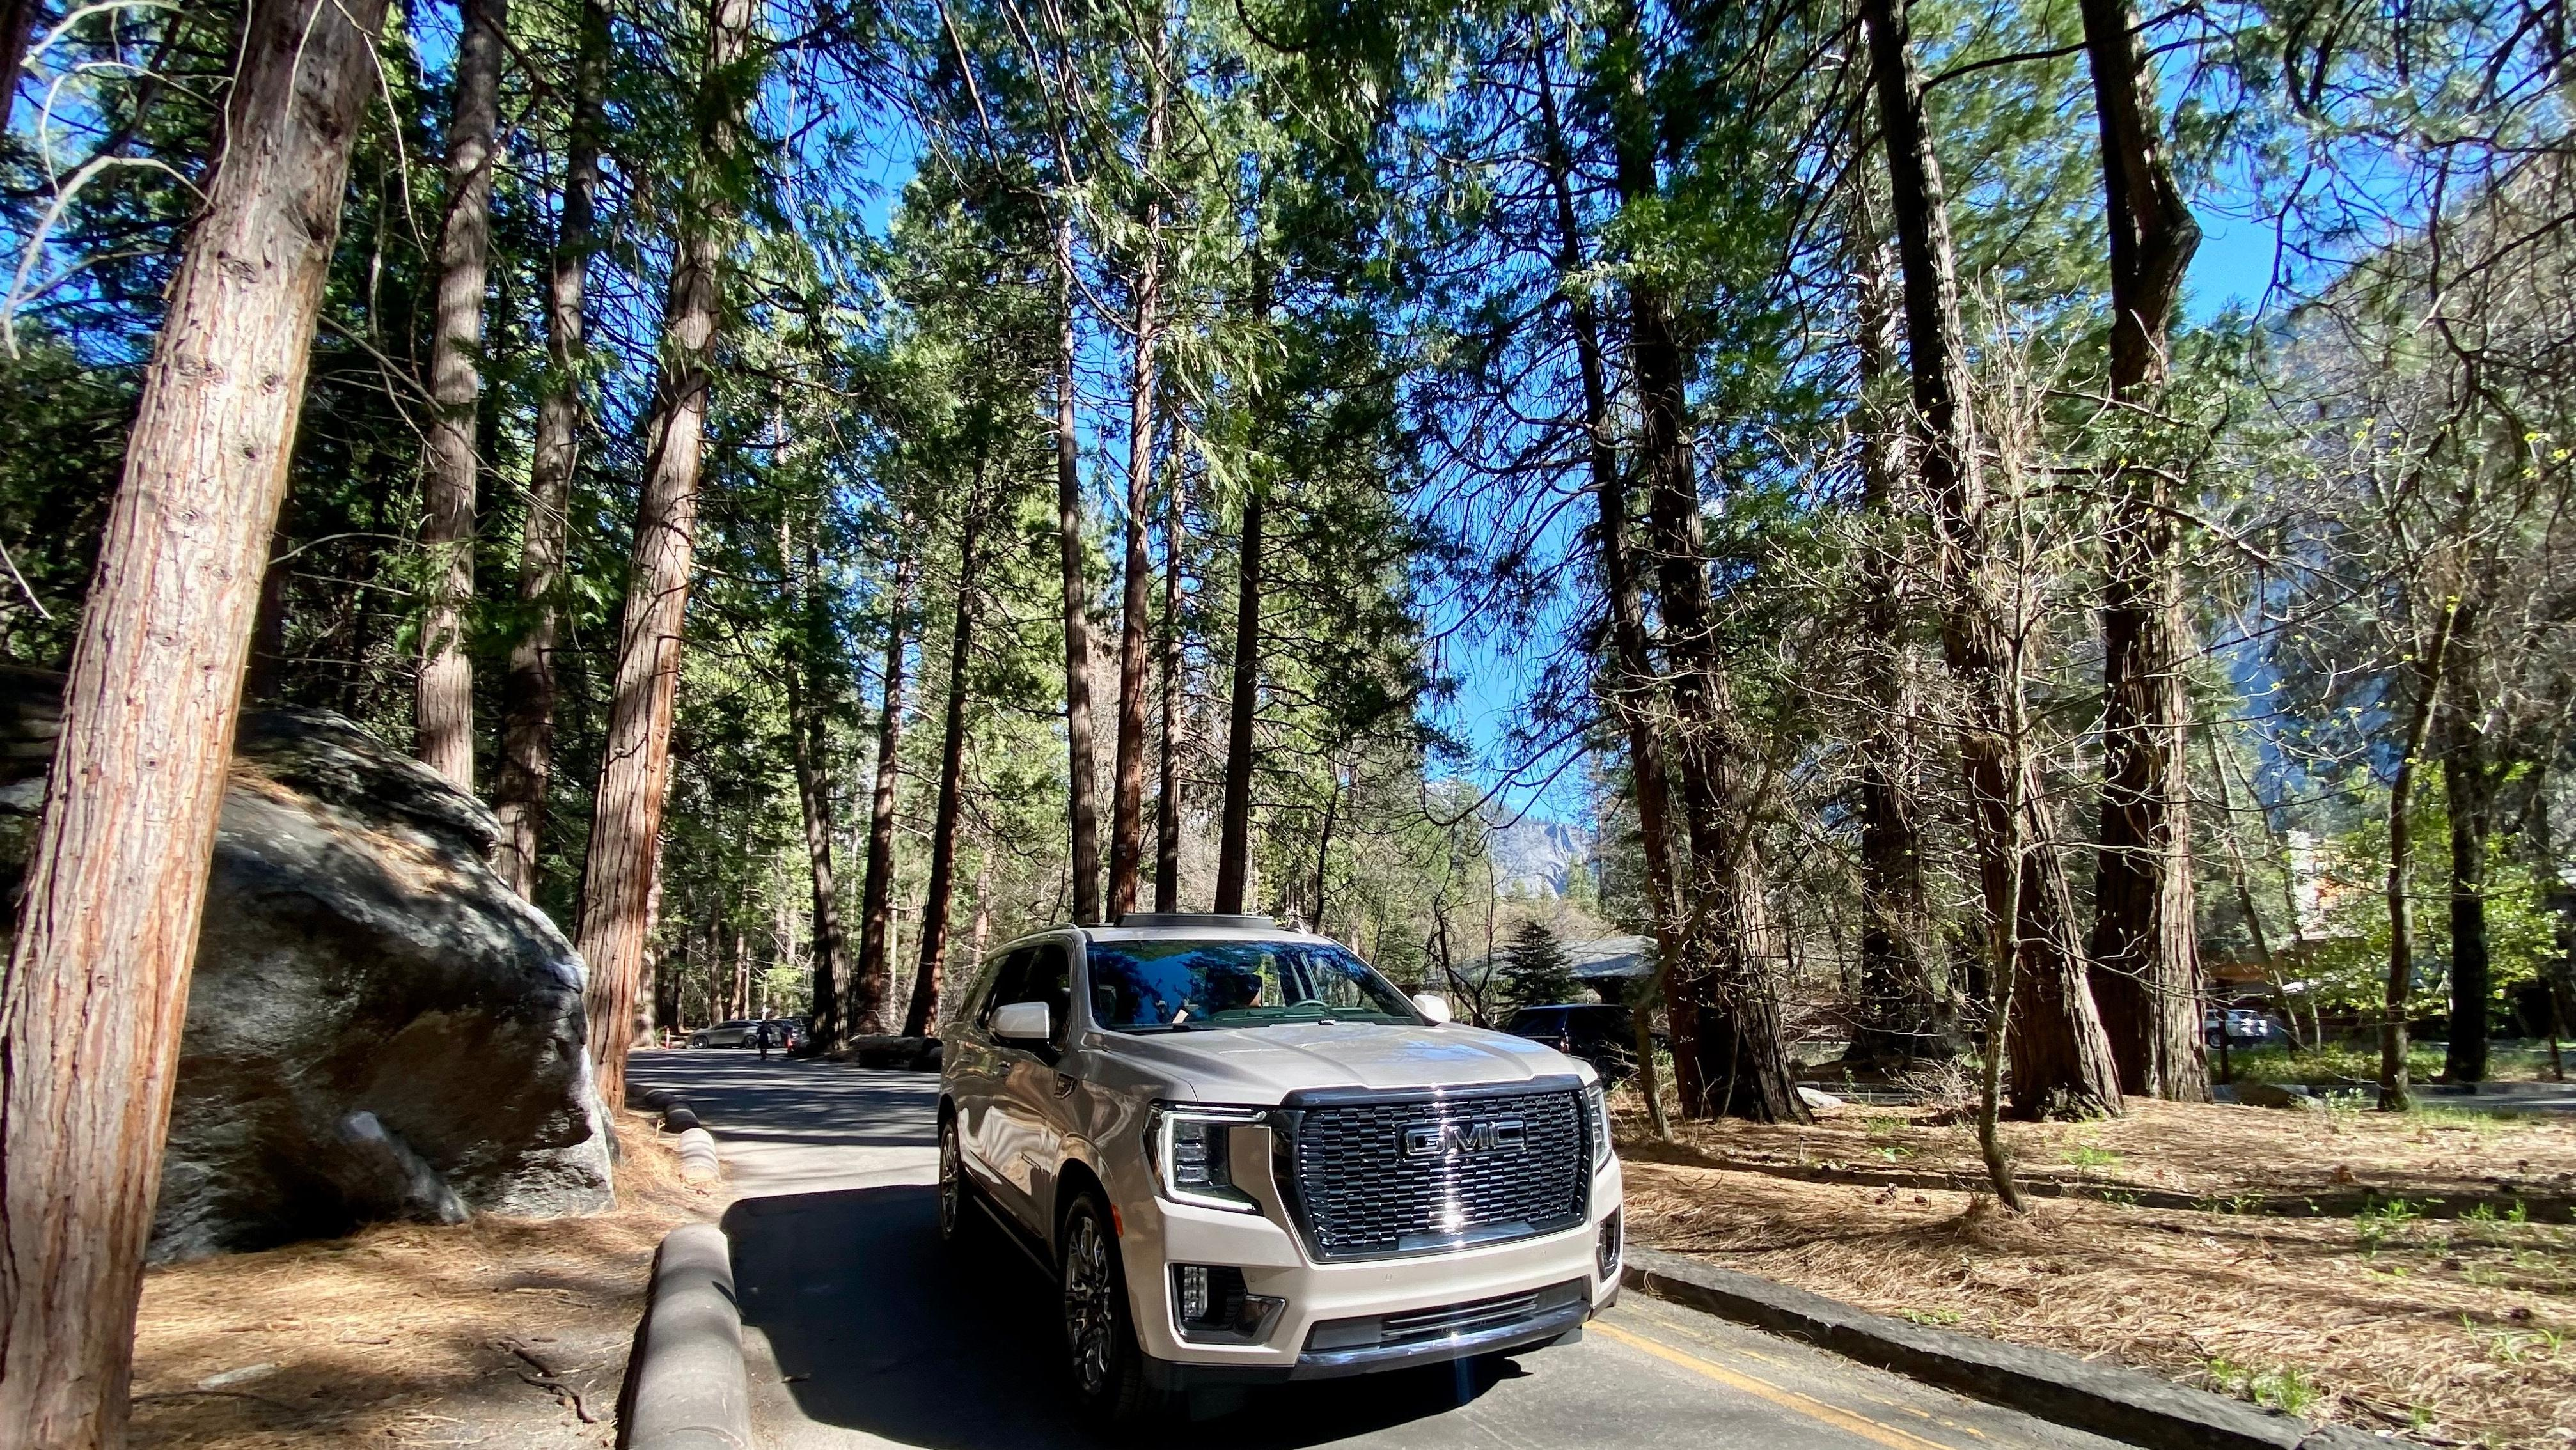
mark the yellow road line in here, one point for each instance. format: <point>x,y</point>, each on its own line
<point>1841,1419</point>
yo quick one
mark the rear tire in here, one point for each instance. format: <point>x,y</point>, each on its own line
<point>1100,1336</point>
<point>956,1188</point>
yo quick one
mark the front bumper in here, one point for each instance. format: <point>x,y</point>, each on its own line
<point>1558,1274</point>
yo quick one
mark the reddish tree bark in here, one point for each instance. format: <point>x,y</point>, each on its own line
<point>2061,1062</point>
<point>635,770</point>
<point>1167,799</point>
<point>528,689</point>
<point>2145,946</point>
<point>921,1017</point>
<point>1127,802</point>
<point>97,983</point>
<point>443,696</point>
<point>872,982</point>
<point>1082,768</point>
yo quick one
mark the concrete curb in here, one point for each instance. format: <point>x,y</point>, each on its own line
<point>687,1389</point>
<point>2123,1404</point>
<point>698,1160</point>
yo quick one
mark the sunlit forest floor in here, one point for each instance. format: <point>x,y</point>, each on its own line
<point>2394,1271</point>
<point>501,1333</point>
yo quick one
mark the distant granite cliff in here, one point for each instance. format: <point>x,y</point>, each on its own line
<point>1533,857</point>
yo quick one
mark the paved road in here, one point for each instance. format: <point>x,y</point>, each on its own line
<point>862,1330</point>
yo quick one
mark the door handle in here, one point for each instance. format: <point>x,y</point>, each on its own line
<point>1063,1086</point>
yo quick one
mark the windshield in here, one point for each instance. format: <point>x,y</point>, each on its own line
<point>1163,986</point>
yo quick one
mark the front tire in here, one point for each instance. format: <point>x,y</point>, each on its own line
<point>1100,1339</point>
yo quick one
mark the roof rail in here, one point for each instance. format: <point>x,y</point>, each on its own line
<point>1198,918</point>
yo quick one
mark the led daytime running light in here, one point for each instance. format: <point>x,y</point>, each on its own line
<point>1192,1161</point>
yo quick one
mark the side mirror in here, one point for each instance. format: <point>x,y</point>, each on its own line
<point>1435,1008</point>
<point>1023,1022</point>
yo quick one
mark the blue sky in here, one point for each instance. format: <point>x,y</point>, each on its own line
<point>2232,268</point>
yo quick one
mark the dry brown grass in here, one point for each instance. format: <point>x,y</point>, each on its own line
<point>483,1333</point>
<point>2454,1331</point>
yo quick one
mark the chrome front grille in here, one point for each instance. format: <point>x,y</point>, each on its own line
<point>1408,1174</point>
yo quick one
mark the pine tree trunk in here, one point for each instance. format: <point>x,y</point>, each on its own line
<point>806,726</point>
<point>1127,801</point>
<point>2468,789</point>
<point>17,32</point>
<point>1903,1017</point>
<point>1631,688</point>
<point>443,701</point>
<point>2145,947</point>
<point>97,981</point>
<point>528,689</point>
<point>2429,673</point>
<point>2061,1061</point>
<point>921,1019</point>
<point>979,934</point>
<point>1234,826</point>
<point>263,675</point>
<point>1082,771</point>
<point>1167,798</point>
<point>1739,1053</point>
<point>635,771</point>
<point>873,981</point>
<point>1324,841</point>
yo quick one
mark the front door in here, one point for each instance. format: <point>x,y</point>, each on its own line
<point>1027,1133</point>
<point>980,1071</point>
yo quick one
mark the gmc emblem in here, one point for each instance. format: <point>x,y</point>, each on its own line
<point>1481,1135</point>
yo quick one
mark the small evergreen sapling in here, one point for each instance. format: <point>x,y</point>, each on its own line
<point>1536,969</point>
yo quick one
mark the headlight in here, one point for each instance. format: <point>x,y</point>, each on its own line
<point>1193,1158</point>
<point>1596,1101</point>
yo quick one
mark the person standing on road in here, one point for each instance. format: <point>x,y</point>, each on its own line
<point>762,1037</point>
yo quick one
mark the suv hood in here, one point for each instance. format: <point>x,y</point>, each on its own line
<point>1258,1066</point>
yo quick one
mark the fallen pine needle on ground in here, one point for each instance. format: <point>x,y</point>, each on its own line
<point>506,1333</point>
<point>2404,1317</point>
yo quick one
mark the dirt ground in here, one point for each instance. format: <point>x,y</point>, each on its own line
<point>505,1333</point>
<point>2424,1300</point>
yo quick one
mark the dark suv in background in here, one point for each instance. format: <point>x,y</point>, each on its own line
<point>1603,1034</point>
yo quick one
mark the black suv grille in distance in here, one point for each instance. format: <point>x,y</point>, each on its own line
<point>1359,1194</point>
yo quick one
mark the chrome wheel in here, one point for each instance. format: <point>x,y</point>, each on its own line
<point>952,1182</point>
<point>1090,1303</point>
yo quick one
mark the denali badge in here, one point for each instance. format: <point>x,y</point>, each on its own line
<point>1482,1135</point>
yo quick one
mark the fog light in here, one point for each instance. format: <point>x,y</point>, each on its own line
<point>1607,1253</point>
<point>1211,1306</point>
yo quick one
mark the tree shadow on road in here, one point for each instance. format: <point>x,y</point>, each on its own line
<point>881,1328</point>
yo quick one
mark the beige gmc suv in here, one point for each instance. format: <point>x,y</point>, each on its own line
<point>1246,1157</point>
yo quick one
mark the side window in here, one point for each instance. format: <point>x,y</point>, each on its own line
<point>1050,980</point>
<point>1006,984</point>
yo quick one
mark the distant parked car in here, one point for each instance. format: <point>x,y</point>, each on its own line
<point>786,1033</point>
<point>2245,1027</point>
<point>1603,1034</point>
<point>725,1034</point>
